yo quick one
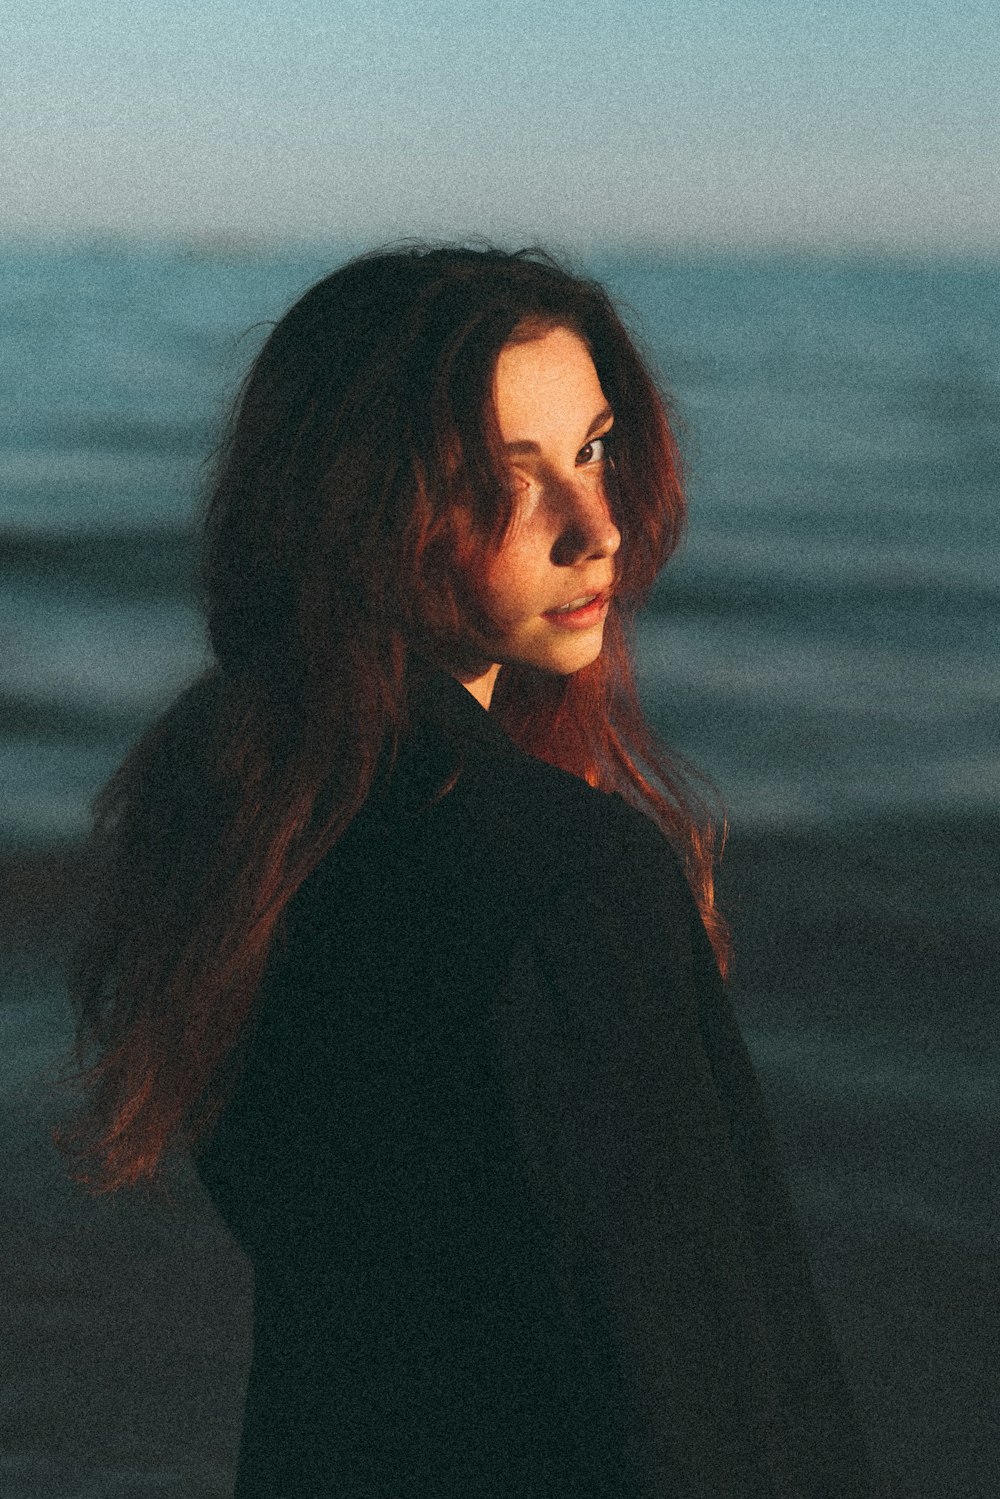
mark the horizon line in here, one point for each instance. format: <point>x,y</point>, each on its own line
<point>268,244</point>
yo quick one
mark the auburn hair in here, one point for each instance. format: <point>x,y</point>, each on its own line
<point>357,491</point>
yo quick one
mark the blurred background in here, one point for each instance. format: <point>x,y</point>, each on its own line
<point>798,205</point>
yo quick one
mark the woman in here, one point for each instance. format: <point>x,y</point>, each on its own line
<point>407,929</point>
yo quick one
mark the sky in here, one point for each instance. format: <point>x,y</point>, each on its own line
<point>823,123</point>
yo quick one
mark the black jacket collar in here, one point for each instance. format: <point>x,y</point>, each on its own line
<point>440,700</point>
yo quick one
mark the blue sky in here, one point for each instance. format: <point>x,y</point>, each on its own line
<point>872,123</point>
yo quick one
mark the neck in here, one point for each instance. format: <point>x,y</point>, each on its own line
<point>481,686</point>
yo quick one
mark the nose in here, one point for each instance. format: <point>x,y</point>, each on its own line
<point>587,529</point>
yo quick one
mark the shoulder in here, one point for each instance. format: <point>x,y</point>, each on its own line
<point>485,842</point>
<point>568,841</point>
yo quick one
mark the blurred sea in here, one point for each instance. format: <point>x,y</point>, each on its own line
<point>825,645</point>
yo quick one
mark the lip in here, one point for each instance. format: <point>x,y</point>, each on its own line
<point>584,618</point>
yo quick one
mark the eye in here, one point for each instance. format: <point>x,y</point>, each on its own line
<point>597,450</point>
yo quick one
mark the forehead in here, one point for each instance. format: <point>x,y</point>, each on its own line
<point>545,386</point>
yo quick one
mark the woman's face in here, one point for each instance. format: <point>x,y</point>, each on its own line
<point>553,418</point>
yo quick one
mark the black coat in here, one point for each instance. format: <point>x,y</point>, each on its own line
<point>501,1165</point>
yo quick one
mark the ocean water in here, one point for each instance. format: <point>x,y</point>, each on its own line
<point>824,646</point>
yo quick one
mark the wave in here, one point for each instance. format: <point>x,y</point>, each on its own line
<point>118,433</point>
<point>88,724</point>
<point>134,562</point>
<point>771,589</point>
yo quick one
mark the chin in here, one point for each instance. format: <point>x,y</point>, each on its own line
<point>556,657</point>
<point>572,657</point>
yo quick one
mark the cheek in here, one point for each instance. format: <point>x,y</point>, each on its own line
<point>512,584</point>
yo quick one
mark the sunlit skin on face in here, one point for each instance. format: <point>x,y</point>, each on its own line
<point>553,416</point>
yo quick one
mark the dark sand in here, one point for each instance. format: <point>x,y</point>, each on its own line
<point>866,982</point>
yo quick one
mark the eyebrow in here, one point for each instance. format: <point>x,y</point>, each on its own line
<point>526,446</point>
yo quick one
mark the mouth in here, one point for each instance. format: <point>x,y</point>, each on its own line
<point>574,604</point>
<point>582,602</point>
<point>584,610</point>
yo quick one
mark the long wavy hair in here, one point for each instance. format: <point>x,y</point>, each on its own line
<point>357,492</point>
